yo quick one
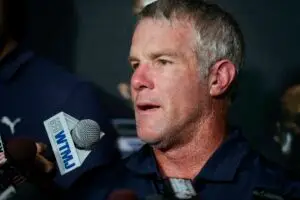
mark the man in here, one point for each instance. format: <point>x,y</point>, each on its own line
<point>186,55</point>
<point>33,90</point>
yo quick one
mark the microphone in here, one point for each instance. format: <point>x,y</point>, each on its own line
<point>179,188</point>
<point>86,134</point>
<point>19,156</point>
<point>71,140</point>
<point>123,194</point>
<point>22,164</point>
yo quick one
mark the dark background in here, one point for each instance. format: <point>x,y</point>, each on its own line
<point>92,38</point>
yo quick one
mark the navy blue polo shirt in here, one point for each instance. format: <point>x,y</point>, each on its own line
<point>33,89</point>
<point>233,172</point>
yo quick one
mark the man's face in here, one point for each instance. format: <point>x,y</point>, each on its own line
<point>166,87</point>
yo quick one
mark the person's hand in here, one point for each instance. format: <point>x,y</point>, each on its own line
<point>43,164</point>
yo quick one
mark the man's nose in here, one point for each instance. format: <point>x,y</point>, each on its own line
<point>141,78</point>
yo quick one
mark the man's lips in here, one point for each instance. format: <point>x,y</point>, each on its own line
<point>146,106</point>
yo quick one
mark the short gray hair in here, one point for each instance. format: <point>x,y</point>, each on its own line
<point>218,34</point>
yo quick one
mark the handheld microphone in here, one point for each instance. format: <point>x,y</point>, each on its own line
<point>19,157</point>
<point>16,170</point>
<point>71,140</point>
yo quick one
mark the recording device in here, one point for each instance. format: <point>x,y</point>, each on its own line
<point>71,140</point>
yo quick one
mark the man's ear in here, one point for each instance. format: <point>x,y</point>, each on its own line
<point>221,76</point>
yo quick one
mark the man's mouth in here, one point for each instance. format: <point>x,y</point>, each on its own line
<point>147,107</point>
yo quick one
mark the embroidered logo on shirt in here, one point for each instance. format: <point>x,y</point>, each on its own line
<point>11,124</point>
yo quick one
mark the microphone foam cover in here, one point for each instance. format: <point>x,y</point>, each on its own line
<point>86,134</point>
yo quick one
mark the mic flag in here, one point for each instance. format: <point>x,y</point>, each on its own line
<point>71,140</point>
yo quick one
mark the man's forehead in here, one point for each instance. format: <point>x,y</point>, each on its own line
<point>153,32</point>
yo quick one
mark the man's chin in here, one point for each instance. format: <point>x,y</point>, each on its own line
<point>159,144</point>
<point>150,141</point>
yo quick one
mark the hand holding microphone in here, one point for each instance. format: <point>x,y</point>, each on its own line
<point>26,157</point>
<point>27,154</point>
<point>24,171</point>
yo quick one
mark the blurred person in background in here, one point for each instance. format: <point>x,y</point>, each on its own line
<point>33,89</point>
<point>287,119</point>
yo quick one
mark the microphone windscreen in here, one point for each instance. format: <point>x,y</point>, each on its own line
<point>123,195</point>
<point>86,134</point>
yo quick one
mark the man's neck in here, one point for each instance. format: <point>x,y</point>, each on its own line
<point>8,47</point>
<point>188,160</point>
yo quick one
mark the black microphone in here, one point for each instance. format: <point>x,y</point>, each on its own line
<point>20,156</point>
<point>23,174</point>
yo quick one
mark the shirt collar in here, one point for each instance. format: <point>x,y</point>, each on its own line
<point>13,62</point>
<point>143,162</point>
<point>222,166</point>
<point>224,163</point>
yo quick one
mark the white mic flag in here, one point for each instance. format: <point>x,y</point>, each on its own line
<point>68,157</point>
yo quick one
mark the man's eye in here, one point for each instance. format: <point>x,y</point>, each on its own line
<point>164,62</point>
<point>134,66</point>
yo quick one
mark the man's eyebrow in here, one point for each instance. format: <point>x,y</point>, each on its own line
<point>155,55</point>
<point>132,58</point>
<point>168,53</point>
